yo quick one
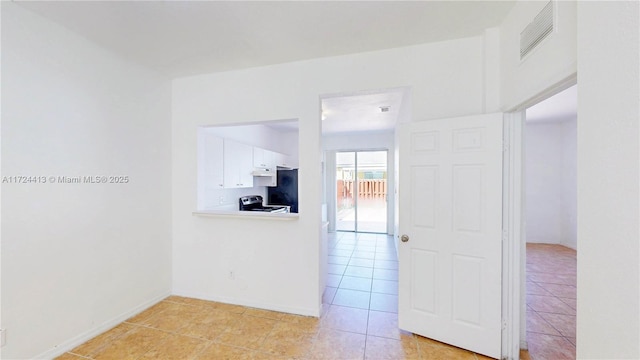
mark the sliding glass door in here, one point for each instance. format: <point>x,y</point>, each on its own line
<point>371,208</point>
<point>345,201</point>
<point>361,191</point>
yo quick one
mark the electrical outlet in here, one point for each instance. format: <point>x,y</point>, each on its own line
<point>221,200</point>
<point>3,337</point>
<point>232,275</point>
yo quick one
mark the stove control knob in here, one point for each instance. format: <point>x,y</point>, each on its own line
<point>404,238</point>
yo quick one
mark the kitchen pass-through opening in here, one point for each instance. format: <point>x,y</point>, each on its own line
<point>361,191</point>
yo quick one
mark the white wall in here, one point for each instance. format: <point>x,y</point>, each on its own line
<point>551,62</point>
<point>550,180</point>
<point>77,258</point>
<point>360,141</point>
<point>608,180</point>
<point>446,80</point>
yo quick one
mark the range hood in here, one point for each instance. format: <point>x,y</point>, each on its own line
<point>263,172</point>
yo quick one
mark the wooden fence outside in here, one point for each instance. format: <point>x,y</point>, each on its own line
<point>367,189</point>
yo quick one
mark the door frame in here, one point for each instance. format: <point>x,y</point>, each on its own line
<point>514,236</point>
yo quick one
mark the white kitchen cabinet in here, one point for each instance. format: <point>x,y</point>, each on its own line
<point>213,170</point>
<point>238,165</point>
<point>263,158</point>
<point>267,159</point>
<point>279,159</point>
<point>285,161</point>
<point>264,162</point>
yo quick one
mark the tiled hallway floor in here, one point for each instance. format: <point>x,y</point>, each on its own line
<point>551,302</point>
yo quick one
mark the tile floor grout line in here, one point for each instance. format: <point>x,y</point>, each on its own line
<point>236,346</point>
<point>196,356</point>
<point>548,323</point>
<point>78,355</point>
<point>100,348</point>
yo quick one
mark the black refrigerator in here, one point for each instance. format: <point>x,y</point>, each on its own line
<point>286,192</point>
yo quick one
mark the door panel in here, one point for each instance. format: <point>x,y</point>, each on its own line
<point>467,198</point>
<point>467,277</point>
<point>423,202</point>
<point>424,269</point>
<point>451,208</point>
<point>424,142</point>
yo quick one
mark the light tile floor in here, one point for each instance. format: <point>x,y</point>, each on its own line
<point>359,320</point>
<point>551,302</point>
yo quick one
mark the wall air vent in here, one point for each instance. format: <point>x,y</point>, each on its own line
<point>537,30</point>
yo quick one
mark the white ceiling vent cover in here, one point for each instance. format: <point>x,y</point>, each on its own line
<point>537,30</point>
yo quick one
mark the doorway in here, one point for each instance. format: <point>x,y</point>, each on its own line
<point>550,164</point>
<point>361,191</point>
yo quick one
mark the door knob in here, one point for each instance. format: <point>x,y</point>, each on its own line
<point>404,238</point>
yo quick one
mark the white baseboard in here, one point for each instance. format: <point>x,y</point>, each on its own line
<point>107,325</point>
<point>254,304</point>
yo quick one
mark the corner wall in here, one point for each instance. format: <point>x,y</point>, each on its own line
<point>78,258</point>
<point>550,173</point>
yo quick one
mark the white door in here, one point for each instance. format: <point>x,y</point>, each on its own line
<point>451,211</point>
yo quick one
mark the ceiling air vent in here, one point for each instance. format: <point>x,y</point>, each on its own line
<point>537,30</point>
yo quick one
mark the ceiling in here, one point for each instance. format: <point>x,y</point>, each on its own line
<point>180,38</point>
<point>358,112</point>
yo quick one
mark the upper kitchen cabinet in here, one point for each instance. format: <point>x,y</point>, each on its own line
<point>238,165</point>
<point>213,160</point>
<point>267,159</point>
<point>263,158</point>
<point>210,166</point>
<point>285,161</point>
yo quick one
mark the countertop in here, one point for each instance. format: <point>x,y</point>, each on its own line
<point>246,214</point>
